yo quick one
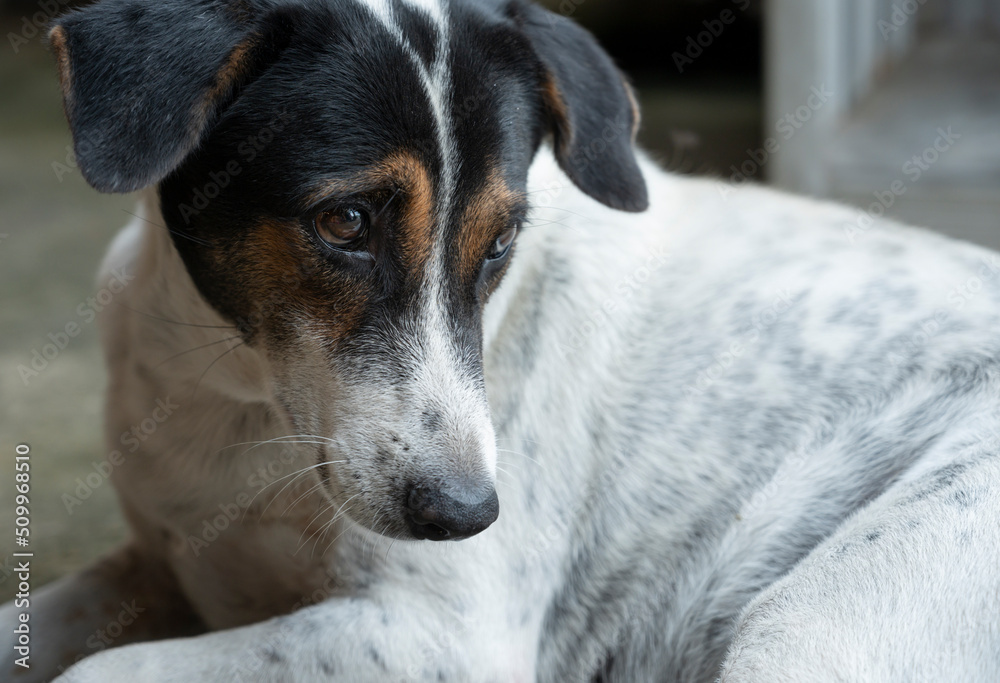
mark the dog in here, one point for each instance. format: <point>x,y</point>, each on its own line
<point>401,277</point>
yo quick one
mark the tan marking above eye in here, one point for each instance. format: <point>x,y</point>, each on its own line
<point>478,235</point>
<point>405,172</point>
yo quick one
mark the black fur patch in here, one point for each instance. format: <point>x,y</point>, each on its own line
<point>242,108</point>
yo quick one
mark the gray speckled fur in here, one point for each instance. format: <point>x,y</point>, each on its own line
<point>820,504</point>
<point>737,439</point>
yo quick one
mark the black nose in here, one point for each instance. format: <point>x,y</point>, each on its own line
<point>439,513</point>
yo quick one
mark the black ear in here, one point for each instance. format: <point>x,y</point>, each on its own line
<point>591,109</point>
<point>143,80</point>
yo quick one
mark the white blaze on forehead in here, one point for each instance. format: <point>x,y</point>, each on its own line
<point>436,79</point>
<point>433,8</point>
<point>382,10</point>
<point>442,375</point>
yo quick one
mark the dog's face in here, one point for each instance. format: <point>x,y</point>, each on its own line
<point>345,181</point>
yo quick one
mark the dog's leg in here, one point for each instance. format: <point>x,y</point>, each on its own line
<point>123,598</point>
<point>431,613</point>
<point>908,590</point>
<point>350,640</point>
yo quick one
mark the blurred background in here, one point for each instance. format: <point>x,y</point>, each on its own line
<point>890,105</point>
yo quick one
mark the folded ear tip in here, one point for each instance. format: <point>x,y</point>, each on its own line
<point>634,201</point>
<point>636,205</point>
<point>109,178</point>
<point>617,182</point>
<point>102,183</point>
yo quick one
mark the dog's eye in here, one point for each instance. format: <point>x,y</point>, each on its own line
<point>502,245</point>
<point>343,228</point>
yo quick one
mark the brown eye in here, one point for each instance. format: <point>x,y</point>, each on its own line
<point>502,245</point>
<point>343,228</point>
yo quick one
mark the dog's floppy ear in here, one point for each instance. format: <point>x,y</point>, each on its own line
<point>591,110</point>
<point>143,80</point>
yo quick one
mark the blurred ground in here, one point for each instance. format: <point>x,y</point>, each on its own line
<point>55,233</point>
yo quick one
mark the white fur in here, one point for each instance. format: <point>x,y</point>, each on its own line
<point>919,603</point>
<point>711,365</point>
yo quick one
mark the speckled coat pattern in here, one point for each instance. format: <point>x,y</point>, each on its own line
<point>733,437</point>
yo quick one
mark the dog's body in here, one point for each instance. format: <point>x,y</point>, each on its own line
<point>730,424</point>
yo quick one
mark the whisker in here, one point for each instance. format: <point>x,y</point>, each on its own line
<point>386,205</point>
<point>296,501</point>
<point>322,509</point>
<point>501,481</point>
<point>331,520</point>
<point>175,322</point>
<point>203,346</point>
<point>330,544</point>
<point>523,455</point>
<point>196,240</point>
<point>559,208</point>
<point>298,474</point>
<point>270,484</point>
<point>534,224</point>
<point>520,438</point>
<point>221,356</point>
<point>382,535</point>
<point>326,527</point>
<point>374,522</point>
<point>277,439</point>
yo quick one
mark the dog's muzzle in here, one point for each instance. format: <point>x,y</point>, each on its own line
<point>439,513</point>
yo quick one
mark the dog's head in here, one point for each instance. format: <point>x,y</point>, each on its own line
<point>345,180</point>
